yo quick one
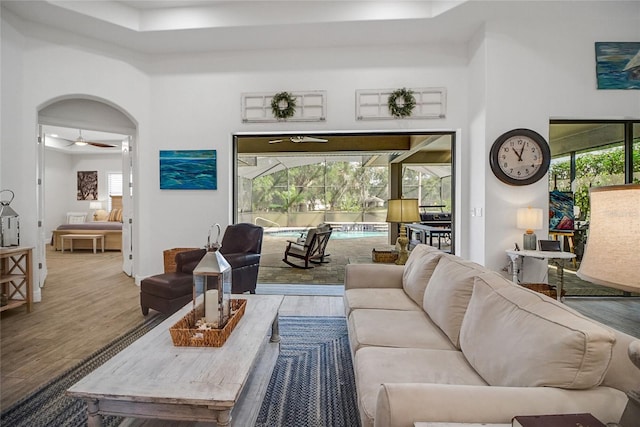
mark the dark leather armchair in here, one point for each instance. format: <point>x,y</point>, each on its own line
<point>241,247</point>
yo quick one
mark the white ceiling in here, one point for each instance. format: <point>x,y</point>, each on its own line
<point>154,28</point>
<point>164,27</point>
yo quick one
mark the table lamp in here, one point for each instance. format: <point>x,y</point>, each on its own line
<point>610,257</point>
<point>402,211</point>
<point>529,219</point>
<point>96,205</point>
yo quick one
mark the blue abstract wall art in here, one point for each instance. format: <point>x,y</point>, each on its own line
<point>188,170</point>
<point>618,65</point>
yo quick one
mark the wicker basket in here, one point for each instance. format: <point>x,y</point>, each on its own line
<point>544,288</point>
<point>170,258</point>
<point>387,256</point>
<point>183,333</point>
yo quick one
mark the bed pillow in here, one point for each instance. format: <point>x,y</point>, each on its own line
<point>76,217</point>
<point>115,215</point>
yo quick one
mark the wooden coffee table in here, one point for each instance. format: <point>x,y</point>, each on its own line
<point>152,378</point>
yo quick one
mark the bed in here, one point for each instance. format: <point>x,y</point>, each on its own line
<point>111,229</point>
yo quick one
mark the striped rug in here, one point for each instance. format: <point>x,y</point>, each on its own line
<point>313,383</point>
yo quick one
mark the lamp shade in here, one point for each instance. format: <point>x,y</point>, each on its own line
<point>529,218</point>
<point>403,210</point>
<point>610,257</point>
<point>96,204</point>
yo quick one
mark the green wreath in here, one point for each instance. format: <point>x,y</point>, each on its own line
<point>405,107</point>
<point>288,107</point>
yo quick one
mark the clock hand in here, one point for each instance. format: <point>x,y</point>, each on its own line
<point>519,154</point>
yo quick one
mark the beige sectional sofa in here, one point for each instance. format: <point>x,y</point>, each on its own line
<point>442,339</point>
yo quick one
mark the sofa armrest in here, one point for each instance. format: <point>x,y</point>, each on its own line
<point>402,404</point>
<point>373,276</point>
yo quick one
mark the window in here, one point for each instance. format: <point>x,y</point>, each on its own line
<point>588,154</point>
<point>114,186</point>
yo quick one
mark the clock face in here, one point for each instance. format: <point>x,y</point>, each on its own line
<point>520,157</point>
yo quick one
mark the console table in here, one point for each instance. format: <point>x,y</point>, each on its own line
<point>15,277</point>
<point>557,258</point>
<point>424,231</point>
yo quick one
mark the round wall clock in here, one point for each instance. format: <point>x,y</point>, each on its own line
<point>520,157</point>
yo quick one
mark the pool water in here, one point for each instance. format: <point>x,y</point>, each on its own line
<point>336,234</point>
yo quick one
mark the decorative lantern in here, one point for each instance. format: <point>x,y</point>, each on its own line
<point>212,277</point>
<point>10,223</point>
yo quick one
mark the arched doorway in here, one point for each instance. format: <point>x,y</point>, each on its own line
<point>77,113</point>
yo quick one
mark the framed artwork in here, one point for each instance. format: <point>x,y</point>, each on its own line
<point>87,185</point>
<point>618,65</point>
<point>560,211</point>
<point>188,170</point>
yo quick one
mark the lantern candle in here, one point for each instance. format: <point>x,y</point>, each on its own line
<point>211,314</point>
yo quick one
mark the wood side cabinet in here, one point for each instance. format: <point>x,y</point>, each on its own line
<point>15,277</point>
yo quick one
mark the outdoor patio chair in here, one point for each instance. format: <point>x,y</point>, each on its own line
<point>312,250</point>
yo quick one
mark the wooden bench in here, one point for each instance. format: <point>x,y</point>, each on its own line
<point>72,237</point>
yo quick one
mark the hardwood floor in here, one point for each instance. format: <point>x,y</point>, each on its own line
<point>87,302</point>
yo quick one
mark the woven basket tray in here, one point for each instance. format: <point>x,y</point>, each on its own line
<point>544,288</point>
<point>387,256</point>
<point>183,333</point>
<point>170,258</point>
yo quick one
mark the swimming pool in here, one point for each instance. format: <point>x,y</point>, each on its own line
<point>335,234</point>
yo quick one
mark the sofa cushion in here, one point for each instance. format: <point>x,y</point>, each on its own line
<point>516,337</point>
<point>384,298</point>
<point>395,328</point>
<point>418,269</point>
<point>448,293</point>
<point>376,365</point>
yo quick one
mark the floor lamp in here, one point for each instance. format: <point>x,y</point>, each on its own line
<point>402,211</point>
<point>611,257</point>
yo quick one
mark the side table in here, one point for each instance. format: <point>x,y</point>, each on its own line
<point>556,258</point>
<point>15,274</point>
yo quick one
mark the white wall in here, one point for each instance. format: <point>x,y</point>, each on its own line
<point>203,111</point>
<point>82,71</point>
<point>537,71</point>
<point>512,74</point>
<point>60,184</point>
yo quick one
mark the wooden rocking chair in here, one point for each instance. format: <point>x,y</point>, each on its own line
<point>312,250</point>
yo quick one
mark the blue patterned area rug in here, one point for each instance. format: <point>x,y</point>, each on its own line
<point>49,406</point>
<point>313,383</point>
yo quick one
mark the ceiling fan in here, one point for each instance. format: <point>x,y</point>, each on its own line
<point>299,139</point>
<point>80,141</point>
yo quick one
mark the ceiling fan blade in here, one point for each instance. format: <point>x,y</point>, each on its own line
<point>302,139</point>
<point>275,141</point>
<point>100,144</point>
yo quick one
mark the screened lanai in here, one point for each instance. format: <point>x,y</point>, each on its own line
<point>288,187</point>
